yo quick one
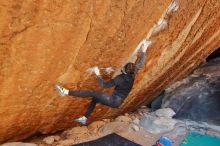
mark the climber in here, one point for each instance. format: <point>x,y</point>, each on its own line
<point>123,84</point>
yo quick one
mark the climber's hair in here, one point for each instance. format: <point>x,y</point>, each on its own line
<point>129,68</point>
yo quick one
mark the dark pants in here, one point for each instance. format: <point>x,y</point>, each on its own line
<point>97,97</point>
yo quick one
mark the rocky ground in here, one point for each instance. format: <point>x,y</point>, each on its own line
<point>143,127</point>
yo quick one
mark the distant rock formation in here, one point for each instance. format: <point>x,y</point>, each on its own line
<point>198,96</point>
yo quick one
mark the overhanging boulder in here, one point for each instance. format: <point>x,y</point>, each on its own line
<point>46,42</point>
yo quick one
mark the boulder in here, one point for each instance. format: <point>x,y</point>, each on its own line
<point>165,112</point>
<point>157,125</point>
<point>45,42</point>
<point>197,99</point>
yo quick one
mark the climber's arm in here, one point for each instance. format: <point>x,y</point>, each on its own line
<point>104,84</point>
<point>141,54</point>
<point>140,60</point>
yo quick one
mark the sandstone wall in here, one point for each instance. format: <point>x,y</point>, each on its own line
<point>47,42</point>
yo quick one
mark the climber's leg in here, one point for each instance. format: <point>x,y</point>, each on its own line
<point>84,93</point>
<point>90,108</point>
<point>80,93</point>
<point>62,91</point>
<point>97,97</point>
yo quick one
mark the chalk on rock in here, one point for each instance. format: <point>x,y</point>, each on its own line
<point>173,6</point>
<point>143,45</point>
<point>109,70</point>
<point>161,24</point>
<point>92,70</point>
<point>146,43</point>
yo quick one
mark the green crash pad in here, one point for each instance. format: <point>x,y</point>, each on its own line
<point>197,139</point>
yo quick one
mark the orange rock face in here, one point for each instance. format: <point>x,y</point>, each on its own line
<point>47,42</point>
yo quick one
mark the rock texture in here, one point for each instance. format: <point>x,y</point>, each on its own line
<point>46,42</point>
<point>197,96</point>
<point>140,133</point>
<point>157,124</point>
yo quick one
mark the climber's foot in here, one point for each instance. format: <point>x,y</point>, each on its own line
<point>62,91</point>
<point>81,120</point>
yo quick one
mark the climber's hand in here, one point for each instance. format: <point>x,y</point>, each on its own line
<point>96,71</point>
<point>145,45</point>
<point>139,53</point>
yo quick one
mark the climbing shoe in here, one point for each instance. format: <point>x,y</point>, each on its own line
<point>81,120</point>
<point>62,91</point>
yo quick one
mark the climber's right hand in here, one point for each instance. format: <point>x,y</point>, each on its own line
<point>96,71</point>
<point>145,45</point>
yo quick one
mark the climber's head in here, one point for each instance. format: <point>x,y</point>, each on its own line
<point>129,68</point>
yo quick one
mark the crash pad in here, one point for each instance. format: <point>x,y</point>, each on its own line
<point>109,140</point>
<point>197,139</point>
